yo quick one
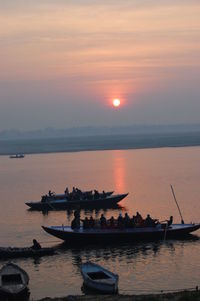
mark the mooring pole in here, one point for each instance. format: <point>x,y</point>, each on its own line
<point>182,221</point>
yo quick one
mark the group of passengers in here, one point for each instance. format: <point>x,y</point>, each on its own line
<point>77,194</point>
<point>127,222</point>
<point>119,223</point>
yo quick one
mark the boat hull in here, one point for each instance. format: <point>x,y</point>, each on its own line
<point>24,252</point>
<point>85,236</point>
<point>108,284</point>
<point>108,202</point>
<point>13,281</point>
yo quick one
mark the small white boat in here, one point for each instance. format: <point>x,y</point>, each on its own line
<point>13,280</point>
<point>17,156</point>
<point>99,279</point>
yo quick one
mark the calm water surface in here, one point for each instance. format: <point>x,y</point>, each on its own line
<point>146,175</point>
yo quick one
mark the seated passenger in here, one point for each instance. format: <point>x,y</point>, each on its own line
<point>133,222</point>
<point>75,224</point>
<point>149,222</point>
<point>170,221</point>
<point>103,221</point>
<point>36,245</point>
<point>86,223</point>
<point>67,191</point>
<point>126,221</point>
<point>44,198</point>
<point>112,222</point>
<point>139,220</point>
<point>96,194</point>
<point>91,222</point>
<point>120,221</point>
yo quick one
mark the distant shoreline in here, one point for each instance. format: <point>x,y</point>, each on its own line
<point>98,143</point>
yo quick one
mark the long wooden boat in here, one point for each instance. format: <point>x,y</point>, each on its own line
<point>63,204</point>
<point>62,196</point>
<point>13,281</point>
<point>10,252</point>
<point>85,236</point>
<point>98,278</point>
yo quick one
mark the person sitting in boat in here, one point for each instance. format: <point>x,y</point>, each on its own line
<point>76,221</point>
<point>96,194</point>
<point>120,221</point>
<point>36,245</point>
<point>170,221</point>
<point>139,220</point>
<point>73,193</point>
<point>112,222</point>
<point>132,222</point>
<point>91,222</point>
<point>50,193</point>
<point>86,223</point>
<point>103,221</point>
<point>150,222</point>
<point>103,194</point>
<point>44,198</point>
<point>67,191</point>
<point>127,220</point>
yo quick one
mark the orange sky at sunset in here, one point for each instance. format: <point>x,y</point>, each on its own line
<point>74,54</point>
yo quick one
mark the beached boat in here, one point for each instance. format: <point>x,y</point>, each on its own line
<point>24,252</point>
<point>92,235</point>
<point>17,156</point>
<point>98,278</point>
<point>63,204</point>
<point>13,281</point>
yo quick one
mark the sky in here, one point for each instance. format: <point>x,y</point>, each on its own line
<point>63,62</point>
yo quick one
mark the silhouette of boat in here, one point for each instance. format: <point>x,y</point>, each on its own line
<point>24,252</point>
<point>91,235</point>
<point>62,204</point>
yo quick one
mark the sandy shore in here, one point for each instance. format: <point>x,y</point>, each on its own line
<point>178,296</point>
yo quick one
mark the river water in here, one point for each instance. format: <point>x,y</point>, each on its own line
<point>146,175</point>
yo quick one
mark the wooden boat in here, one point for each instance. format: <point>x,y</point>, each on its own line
<point>62,196</point>
<point>24,252</point>
<point>98,278</point>
<point>17,156</point>
<point>63,204</point>
<point>13,281</point>
<point>84,236</point>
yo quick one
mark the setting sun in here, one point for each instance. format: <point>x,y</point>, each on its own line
<point>116,102</point>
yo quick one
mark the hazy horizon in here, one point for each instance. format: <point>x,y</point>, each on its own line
<point>63,62</point>
<point>87,131</point>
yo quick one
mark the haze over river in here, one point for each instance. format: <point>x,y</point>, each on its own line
<point>146,174</point>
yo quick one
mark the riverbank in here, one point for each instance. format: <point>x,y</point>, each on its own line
<point>177,296</point>
<point>97,143</point>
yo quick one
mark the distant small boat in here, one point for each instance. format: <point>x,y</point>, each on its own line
<point>24,252</point>
<point>98,278</point>
<point>13,281</point>
<point>17,156</point>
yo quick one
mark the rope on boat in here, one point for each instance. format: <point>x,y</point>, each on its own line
<point>190,289</point>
